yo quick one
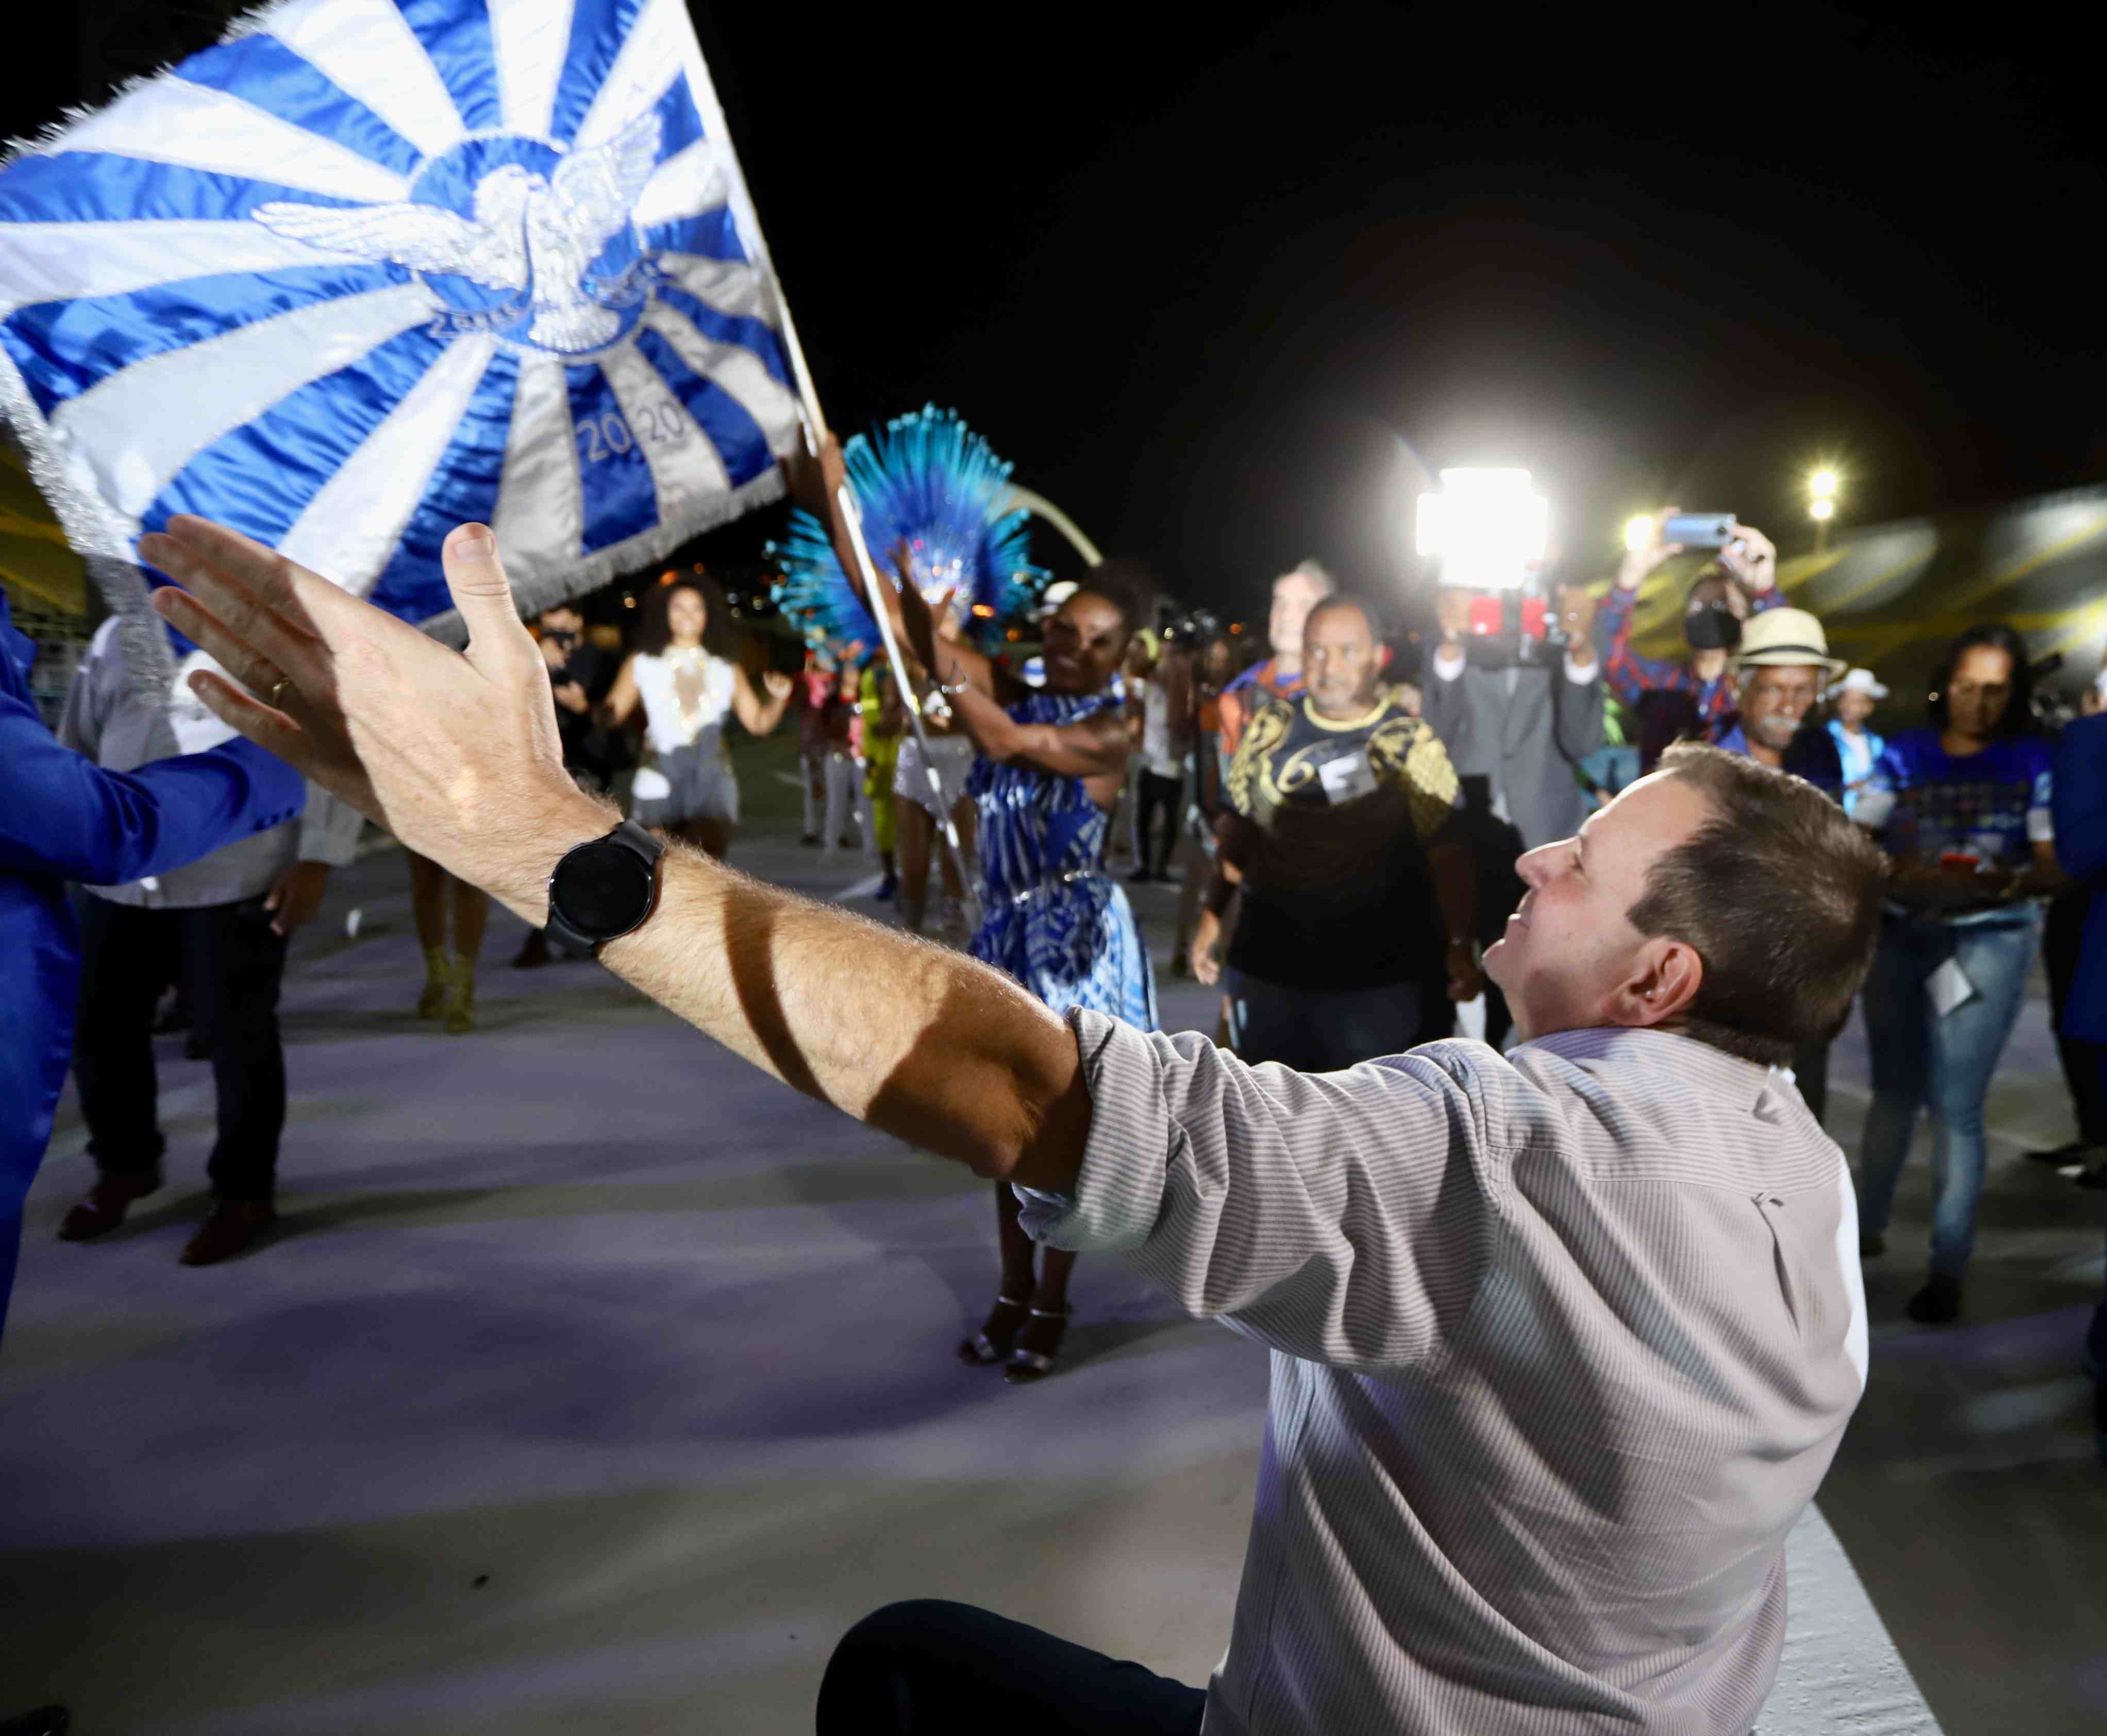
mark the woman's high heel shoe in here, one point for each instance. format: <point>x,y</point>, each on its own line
<point>991,1343</point>
<point>1034,1361</point>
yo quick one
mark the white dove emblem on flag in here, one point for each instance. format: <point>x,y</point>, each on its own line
<point>533,237</point>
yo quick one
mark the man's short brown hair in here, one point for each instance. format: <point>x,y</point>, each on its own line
<point>1779,894</point>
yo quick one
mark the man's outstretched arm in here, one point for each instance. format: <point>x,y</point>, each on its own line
<point>458,754</point>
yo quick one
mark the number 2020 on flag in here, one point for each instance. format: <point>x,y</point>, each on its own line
<point>607,435</point>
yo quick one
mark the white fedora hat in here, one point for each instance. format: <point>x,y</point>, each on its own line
<point>1790,636</point>
<point>1860,681</point>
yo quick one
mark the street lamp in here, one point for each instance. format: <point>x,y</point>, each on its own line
<point>1821,488</point>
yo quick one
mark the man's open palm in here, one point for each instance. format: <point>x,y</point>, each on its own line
<point>448,750</point>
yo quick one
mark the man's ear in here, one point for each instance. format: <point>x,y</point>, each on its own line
<point>1661,986</point>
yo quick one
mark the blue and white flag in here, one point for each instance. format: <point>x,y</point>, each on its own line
<point>369,268</point>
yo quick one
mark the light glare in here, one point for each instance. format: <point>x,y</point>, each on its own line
<point>1638,533</point>
<point>1823,486</point>
<point>1489,528</point>
<point>1822,507</point>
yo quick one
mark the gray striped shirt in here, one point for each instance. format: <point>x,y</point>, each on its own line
<point>1562,1344</point>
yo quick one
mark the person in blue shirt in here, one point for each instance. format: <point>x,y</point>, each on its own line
<point>1858,748</point>
<point>1784,659</point>
<point>1962,806</point>
<point>64,818</point>
<point>2080,805</point>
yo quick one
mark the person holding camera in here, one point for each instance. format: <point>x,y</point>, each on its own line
<point>1697,694</point>
<point>1520,705</point>
<point>1962,806</point>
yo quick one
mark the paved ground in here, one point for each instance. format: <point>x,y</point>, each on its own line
<point>596,1384</point>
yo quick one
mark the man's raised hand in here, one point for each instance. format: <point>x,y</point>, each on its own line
<point>457,754</point>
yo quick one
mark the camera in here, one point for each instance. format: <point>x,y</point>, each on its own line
<point>1515,628</point>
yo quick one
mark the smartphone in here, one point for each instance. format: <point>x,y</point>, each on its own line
<point>1699,529</point>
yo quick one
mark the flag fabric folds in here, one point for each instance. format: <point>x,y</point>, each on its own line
<point>366,269</point>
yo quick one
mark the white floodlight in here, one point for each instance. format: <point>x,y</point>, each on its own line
<point>1489,530</point>
<point>1822,484</point>
<point>1822,507</point>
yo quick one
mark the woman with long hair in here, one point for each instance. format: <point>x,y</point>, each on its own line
<point>688,692</point>
<point>1961,806</point>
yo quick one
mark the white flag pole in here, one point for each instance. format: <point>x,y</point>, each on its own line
<point>814,424</point>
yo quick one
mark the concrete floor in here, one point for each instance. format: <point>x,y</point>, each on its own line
<point>595,1383</point>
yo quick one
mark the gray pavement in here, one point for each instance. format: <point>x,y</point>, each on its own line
<point>595,1383</point>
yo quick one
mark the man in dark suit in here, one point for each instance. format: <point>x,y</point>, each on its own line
<point>1514,711</point>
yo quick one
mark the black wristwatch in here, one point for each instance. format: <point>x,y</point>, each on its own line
<point>606,888</point>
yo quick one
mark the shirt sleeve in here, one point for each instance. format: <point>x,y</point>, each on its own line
<point>1628,673</point>
<point>2041,801</point>
<point>65,815</point>
<point>87,702</point>
<point>1345,1217</point>
<point>1876,799</point>
<point>1427,775</point>
<point>329,828</point>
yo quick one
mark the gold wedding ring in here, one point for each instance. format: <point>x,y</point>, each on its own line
<point>278,691</point>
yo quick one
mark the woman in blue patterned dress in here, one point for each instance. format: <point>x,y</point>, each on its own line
<point>1051,764</point>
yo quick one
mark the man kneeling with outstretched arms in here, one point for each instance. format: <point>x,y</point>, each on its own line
<point>1562,1342</point>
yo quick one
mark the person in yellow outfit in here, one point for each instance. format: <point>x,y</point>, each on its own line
<point>883,719</point>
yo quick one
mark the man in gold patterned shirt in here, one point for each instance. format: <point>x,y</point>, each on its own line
<point>1358,893</point>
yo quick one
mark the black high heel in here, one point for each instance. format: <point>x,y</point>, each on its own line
<point>1026,1363</point>
<point>991,1344</point>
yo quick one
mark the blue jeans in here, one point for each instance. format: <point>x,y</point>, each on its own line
<point>1922,1061</point>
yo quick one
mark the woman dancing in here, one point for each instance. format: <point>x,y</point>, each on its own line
<point>1048,772</point>
<point>1049,766</point>
<point>687,692</point>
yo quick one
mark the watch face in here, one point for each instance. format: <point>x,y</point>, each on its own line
<point>602,890</point>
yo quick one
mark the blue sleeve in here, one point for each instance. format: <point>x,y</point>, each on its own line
<point>61,813</point>
<point>2079,799</point>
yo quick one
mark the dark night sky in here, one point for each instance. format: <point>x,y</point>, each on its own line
<point>1197,282</point>
<point>1203,280</point>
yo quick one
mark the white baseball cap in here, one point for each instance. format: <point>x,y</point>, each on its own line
<point>1056,594</point>
<point>1860,681</point>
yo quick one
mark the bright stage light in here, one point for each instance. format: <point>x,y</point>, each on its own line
<point>1823,486</point>
<point>1638,531</point>
<point>1822,507</point>
<point>1487,527</point>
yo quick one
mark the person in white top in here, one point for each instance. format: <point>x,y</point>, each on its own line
<point>689,789</point>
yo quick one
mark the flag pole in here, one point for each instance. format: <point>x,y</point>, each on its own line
<point>814,423</point>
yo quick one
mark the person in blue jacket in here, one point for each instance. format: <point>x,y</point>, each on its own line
<point>2079,801</point>
<point>62,818</point>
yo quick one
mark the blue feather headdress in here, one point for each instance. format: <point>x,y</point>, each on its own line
<point>932,482</point>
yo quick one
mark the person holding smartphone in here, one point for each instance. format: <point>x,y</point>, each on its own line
<point>1962,808</point>
<point>1697,694</point>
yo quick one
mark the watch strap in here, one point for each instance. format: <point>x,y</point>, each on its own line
<point>628,836</point>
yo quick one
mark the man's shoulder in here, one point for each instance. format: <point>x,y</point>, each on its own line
<point>1258,676</point>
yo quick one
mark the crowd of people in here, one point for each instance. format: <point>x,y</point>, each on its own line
<point>1357,817</point>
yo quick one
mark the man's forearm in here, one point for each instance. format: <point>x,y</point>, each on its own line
<point>919,1041</point>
